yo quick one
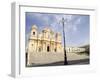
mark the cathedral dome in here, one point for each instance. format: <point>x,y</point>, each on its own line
<point>47,29</point>
<point>34,27</point>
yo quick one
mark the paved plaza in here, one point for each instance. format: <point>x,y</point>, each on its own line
<point>55,59</point>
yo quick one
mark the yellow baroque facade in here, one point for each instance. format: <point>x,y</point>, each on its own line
<point>44,41</point>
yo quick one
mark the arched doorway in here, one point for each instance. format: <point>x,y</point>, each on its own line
<point>39,49</point>
<point>48,48</point>
<point>55,49</point>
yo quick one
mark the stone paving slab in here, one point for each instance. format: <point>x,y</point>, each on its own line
<point>49,58</point>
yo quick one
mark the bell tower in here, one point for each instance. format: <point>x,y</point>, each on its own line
<point>34,31</point>
<point>33,39</point>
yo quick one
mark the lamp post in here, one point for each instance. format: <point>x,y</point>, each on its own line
<point>65,55</point>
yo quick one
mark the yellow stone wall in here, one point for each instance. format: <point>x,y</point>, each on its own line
<point>44,41</point>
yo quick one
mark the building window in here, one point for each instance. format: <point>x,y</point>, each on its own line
<point>33,33</point>
<point>55,50</point>
<point>32,44</point>
<point>39,49</point>
<point>48,48</point>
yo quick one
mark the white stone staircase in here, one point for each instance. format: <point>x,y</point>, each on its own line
<point>46,58</point>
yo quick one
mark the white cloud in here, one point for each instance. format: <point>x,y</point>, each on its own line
<point>70,24</point>
<point>58,19</point>
<point>41,17</point>
<point>74,28</point>
<point>45,19</point>
<point>53,25</point>
<point>68,18</point>
<point>78,21</point>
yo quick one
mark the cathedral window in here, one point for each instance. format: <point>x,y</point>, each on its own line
<point>32,44</point>
<point>39,49</point>
<point>48,48</point>
<point>55,50</point>
<point>33,33</point>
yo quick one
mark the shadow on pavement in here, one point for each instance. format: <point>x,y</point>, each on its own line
<point>72,62</point>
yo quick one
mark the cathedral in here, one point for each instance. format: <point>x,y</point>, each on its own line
<point>45,46</point>
<point>45,40</point>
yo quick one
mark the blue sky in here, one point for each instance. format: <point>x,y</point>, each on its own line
<point>76,26</point>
